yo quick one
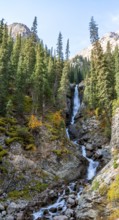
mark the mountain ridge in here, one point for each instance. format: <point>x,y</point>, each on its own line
<point>18,28</point>
<point>113,37</point>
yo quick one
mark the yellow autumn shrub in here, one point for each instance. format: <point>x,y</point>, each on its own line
<point>113,192</point>
<point>34,122</point>
<point>57,119</point>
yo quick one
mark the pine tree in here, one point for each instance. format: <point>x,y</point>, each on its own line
<point>25,70</point>
<point>93,31</point>
<point>51,74</point>
<point>15,59</point>
<point>4,71</point>
<point>20,85</point>
<point>16,53</point>
<point>60,47</point>
<point>110,66</point>
<point>41,86</point>
<point>64,85</point>
<point>116,56</point>
<point>67,53</point>
<point>34,30</point>
<point>1,29</point>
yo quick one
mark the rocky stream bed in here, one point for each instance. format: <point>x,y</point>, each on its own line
<point>61,200</point>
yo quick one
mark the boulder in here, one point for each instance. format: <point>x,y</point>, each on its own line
<point>1,207</point>
<point>9,217</point>
<point>60,217</point>
<point>69,213</point>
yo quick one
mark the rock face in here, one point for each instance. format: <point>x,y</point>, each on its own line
<point>113,37</point>
<point>115,131</point>
<point>18,28</point>
<point>93,203</point>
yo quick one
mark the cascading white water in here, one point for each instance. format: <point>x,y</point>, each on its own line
<point>76,104</point>
<point>92,165</point>
<point>61,204</point>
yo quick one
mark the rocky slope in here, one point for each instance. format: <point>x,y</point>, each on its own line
<point>101,199</point>
<point>113,37</point>
<point>49,165</point>
<point>18,28</point>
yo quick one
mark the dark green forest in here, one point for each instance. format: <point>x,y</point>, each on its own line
<point>102,81</point>
<point>32,78</point>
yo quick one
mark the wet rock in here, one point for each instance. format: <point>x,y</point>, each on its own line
<point>19,216</point>
<point>87,215</point>
<point>4,213</point>
<point>9,217</point>
<point>72,196</point>
<point>89,147</point>
<point>53,210</point>
<point>46,212</point>
<point>71,201</point>
<point>69,213</point>
<point>53,194</point>
<point>12,207</point>
<point>1,207</point>
<point>89,154</point>
<point>74,132</point>
<point>60,217</point>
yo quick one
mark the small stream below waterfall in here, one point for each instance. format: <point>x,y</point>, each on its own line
<point>60,206</point>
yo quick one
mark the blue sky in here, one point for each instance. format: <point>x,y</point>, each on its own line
<point>71,17</point>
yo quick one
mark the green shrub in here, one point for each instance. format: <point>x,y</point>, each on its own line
<point>3,153</point>
<point>30,147</point>
<point>12,133</point>
<point>115,164</point>
<point>103,189</point>
<point>1,148</point>
<point>95,185</point>
<point>23,132</point>
<point>27,104</point>
<point>8,141</point>
<point>2,122</point>
<point>39,186</point>
<point>19,194</point>
<point>115,105</point>
<point>12,121</point>
<point>3,170</point>
<point>2,130</point>
<point>60,152</point>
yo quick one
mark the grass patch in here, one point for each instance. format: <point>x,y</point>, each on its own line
<point>60,152</point>
<point>113,192</point>
<point>103,189</point>
<point>95,185</point>
<point>115,164</point>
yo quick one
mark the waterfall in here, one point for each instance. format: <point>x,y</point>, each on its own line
<point>61,205</point>
<point>91,171</point>
<point>76,104</point>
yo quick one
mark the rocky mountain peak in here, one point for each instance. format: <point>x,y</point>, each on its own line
<point>18,28</point>
<point>113,37</point>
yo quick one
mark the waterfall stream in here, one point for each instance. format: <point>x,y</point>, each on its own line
<point>60,205</point>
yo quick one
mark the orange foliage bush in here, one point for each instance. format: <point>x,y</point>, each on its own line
<point>57,119</point>
<point>34,122</point>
